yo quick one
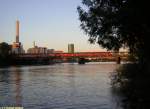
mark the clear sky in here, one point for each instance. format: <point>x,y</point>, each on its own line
<point>50,23</point>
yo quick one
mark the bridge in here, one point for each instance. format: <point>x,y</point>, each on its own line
<point>77,54</point>
<point>71,57</point>
<point>82,54</point>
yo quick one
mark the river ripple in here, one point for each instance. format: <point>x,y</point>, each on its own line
<point>59,86</point>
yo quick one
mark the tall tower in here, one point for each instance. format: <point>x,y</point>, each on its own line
<point>17,31</point>
<point>70,48</point>
<point>17,48</point>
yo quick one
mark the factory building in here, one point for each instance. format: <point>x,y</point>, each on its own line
<point>37,50</point>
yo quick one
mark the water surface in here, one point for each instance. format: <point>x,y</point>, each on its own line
<point>59,86</point>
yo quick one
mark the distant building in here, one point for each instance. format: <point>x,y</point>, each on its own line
<point>58,51</point>
<point>37,50</point>
<point>17,48</point>
<point>50,51</point>
<point>70,48</point>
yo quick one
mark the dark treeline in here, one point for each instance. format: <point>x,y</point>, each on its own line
<point>7,58</point>
<point>5,54</point>
<point>123,23</point>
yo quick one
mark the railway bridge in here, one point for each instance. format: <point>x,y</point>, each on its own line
<point>71,57</point>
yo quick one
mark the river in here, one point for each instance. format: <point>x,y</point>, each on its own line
<point>59,86</point>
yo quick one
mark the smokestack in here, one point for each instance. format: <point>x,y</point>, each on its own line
<point>17,31</point>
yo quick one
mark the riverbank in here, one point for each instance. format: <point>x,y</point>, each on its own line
<point>132,81</point>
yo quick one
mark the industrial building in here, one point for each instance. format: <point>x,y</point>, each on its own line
<point>37,50</point>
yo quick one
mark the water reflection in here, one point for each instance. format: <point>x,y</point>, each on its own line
<point>62,86</point>
<point>10,86</point>
<point>18,88</point>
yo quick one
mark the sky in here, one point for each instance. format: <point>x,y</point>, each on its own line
<point>50,23</point>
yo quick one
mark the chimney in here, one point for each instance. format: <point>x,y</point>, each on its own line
<point>17,31</point>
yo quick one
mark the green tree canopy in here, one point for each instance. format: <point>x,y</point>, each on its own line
<point>117,23</point>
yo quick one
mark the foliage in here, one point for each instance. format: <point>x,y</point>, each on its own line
<point>122,23</point>
<point>132,80</point>
<point>5,55</point>
<point>117,23</point>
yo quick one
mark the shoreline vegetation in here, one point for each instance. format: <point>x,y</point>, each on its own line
<point>132,82</point>
<point>114,24</point>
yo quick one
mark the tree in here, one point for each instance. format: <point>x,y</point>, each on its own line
<point>4,53</point>
<point>117,23</point>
